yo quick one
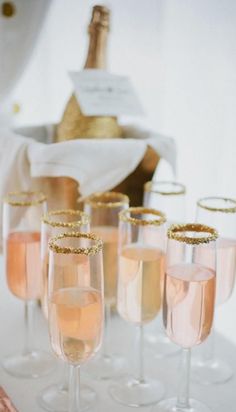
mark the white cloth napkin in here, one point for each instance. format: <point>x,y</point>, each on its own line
<point>98,164</point>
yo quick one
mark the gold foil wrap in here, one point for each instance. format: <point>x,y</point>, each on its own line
<point>75,125</point>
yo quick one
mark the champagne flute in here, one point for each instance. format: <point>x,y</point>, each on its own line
<point>22,213</point>
<point>188,301</point>
<point>141,269</point>
<point>169,197</point>
<point>221,213</point>
<point>75,292</point>
<point>103,209</point>
<point>55,397</point>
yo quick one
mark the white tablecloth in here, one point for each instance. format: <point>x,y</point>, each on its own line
<point>221,398</point>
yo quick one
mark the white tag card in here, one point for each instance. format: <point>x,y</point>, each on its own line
<point>100,93</point>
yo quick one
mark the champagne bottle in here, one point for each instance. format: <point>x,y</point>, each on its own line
<point>73,123</point>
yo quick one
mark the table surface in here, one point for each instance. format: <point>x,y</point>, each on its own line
<point>24,392</point>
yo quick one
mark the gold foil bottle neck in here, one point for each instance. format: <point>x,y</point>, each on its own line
<point>74,123</point>
<point>100,18</point>
<point>98,30</point>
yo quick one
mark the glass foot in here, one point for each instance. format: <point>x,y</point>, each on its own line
<point>169,405</point>
<point>131,392</point>
<point>55,398</point>
<point>104,367</point>
<point>30,365</point>
<point>161,345</point>
<point>210,372</point>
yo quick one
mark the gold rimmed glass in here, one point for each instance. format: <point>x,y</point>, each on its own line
<point>54,398</point>
<point>54,223</point>
<point>169,196</point>
<point>219,212</point>
<point>75,295</point>
<point>142,234</point>
<point>22,213</point>
<point>188,301</point>
<point>103,209</point>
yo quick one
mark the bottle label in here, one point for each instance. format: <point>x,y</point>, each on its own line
<point>100,93</point>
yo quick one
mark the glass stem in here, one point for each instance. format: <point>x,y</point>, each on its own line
<point>74,389</point>
<point>140,354</point>
<point>106,341</point>
<point>183,392</point>
<point>29,326</point>
<point>65,377</point>
<point>208,348</point>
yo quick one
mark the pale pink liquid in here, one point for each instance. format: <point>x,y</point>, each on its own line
<point>188,303</point>
<point>23,264</point>
<point>109,236</point>
<point>44,290</point>
<point>75,322</point>
<point>73,271</point>
<point>225,266</point>
<point>141,270</point>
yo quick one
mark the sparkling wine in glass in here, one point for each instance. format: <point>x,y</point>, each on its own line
<point>54,223</point>
<point>221,213</point>
<point>103,209</point>
<point>170,197</point>
<point>139,299</point>
<point>188,301</point>
<point>55,397</point>
<point>22,213</point>
<point>75,293</point>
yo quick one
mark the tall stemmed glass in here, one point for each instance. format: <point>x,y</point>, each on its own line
<point>221,213</point>
<point>55,397</point>
<point>188,302</point>
<point>170,197</point>
<point>22,213</point>
<point>142,234</point>
<point>103,209</point>
<point>75,293</point>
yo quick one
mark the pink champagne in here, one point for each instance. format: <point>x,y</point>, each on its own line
<point>75,323</point>
<point>188,303</point>
<point>226,266</point>
<point>66,269</point>
<point>141,270</point>
<point>44,290</point>
<point>109,235</point>
<point>23,264</point>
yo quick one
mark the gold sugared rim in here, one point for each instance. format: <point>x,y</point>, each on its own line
<point>124,216</point>
<point>39,198</point>
<point>148,187</point>
<point>175,232</point>
<point>107,200</point>
<point>84,218</point>
<point>88,251</point>
<point>231,209</point>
